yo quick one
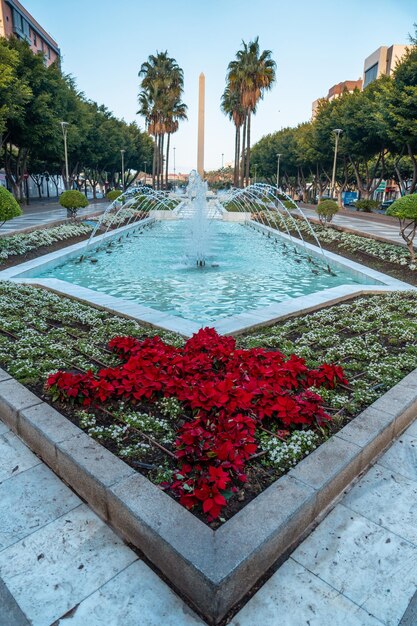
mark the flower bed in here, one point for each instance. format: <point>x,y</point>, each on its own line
<point>373,339</point>
<point>222,396</point>
<point>22,243</point>
<point>389,252</point>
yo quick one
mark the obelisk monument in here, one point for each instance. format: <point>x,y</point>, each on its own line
<point>200,149</point>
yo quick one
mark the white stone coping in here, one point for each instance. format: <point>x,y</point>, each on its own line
<point>234,324</point>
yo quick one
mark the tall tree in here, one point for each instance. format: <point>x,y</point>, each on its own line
<point>251,74</point>
<point>160,103</point>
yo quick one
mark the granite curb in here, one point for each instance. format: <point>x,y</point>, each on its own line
<point>213,569</point>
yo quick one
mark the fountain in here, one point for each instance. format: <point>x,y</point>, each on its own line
<point>199,224</point>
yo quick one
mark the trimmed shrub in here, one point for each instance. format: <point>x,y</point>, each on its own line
<point>326,209</point>
<point>9,207</point>
<point>405,209</point>
<point>113,194</point>
<point>72,200</point>
<point>367,206</point>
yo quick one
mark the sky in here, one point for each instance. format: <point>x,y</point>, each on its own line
<point>315,44</point>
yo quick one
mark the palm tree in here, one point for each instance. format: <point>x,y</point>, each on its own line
<point>231,106</point>
<point>250,74</point>
<point>160,103</point>
<point>177,113</point>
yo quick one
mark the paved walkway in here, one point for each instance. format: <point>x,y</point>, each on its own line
<point>374,227</point>
<point>46,214</point>
<point>61,565</point>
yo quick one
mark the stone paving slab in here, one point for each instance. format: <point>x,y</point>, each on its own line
<point>379,487</point>
<point>135,597</point>
<point>10,612</point>
<point>55,568</point>
<point>29,500</point>
<point>402,457</point>
<point>296,597</point>
<point>15,457</point>
<point>371,566</point>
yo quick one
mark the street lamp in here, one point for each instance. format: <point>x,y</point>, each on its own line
<point>145,164</point>
<point>256,169</point>
<point>337,132</point>
<point>122,152</point>
<point>64,126</point>
<point>278,160</point>
<point>222,159</point>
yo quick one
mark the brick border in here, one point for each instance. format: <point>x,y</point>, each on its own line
<point>213,569</point>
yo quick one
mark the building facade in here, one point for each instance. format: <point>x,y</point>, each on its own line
<point>382,61</point>
<point>336,91</point>
<point>16,21</point>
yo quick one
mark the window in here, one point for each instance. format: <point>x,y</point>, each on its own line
<point>35,40</point>
<point>371,74</point>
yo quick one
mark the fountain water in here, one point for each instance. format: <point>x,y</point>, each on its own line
<point>200,223</point>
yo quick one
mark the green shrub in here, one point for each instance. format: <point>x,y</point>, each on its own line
<point>113,194</point>
<point>326,209</point>
<point>405,209</point>
<point>9,207</point>
<point>366,205</point>
<point>73,200</point>
<point>289,204</point>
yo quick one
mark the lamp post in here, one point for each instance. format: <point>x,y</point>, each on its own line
<point>337,132</point>
<point>122,152</point>
<point>278,160</point>
<point>222,159</point>
<point>64,126</point>
<point>145,164</point>
<point>256,169</point>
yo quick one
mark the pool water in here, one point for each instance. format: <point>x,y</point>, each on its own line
<point>245,270</point>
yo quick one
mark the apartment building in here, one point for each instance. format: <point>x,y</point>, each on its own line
<point>382,61</point>
<point>16,21</point>
<point>336,91</point>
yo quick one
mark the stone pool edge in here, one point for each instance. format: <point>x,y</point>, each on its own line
<point>213,569</point>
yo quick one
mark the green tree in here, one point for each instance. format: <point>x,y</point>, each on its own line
<point>14,93</point>
<point>251,74</point>
<point>160,104</point>
<point>72,200</point>
<point>405,209</point>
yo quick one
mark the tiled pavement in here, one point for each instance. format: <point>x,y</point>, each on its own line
<point>60,564</point>
<point>45,215</point>
<point>371,227</point>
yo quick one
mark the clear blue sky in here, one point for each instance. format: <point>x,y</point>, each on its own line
<point>315,45</point>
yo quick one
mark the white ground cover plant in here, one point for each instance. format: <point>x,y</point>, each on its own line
<point>22,243</point>
<point>283,455</point>
<point>389,252</point>
<point>373,338</point>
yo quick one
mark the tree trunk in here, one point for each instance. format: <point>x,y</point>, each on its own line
<point>248,149</point>
<point>161,169</point>
<point>155,149</point>
<point>414,162</point>
<point>242,165</point>
<point>236,154</point>
<point>236,179</point>
<point>167,160</point>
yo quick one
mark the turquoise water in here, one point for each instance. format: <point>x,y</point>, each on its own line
<point>244,270</point>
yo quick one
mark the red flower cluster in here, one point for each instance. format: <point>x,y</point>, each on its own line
<point>227,392</point>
